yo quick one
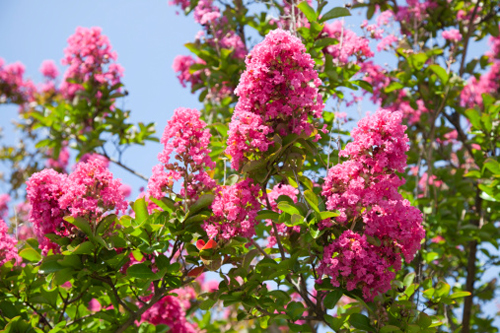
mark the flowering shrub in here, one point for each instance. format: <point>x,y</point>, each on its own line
<point>267,210</point>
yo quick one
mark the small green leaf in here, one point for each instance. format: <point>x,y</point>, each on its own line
<point>140,271</point>
<point>30,255</point>
<point>361,322</point>
<point>332,298</point>
<point>312,200</point>
<point>474,117</point>
<point>141,211</point>
<point>327,215</point>
<point>80,223</point>
<point>268,215</point>
<point>204,201</point>
<point>459,294</point>
<point>424,320</point>
<point>440,72</point>
<point>335,13</point>
<point>492,165</point>
<point>287,208</point>
<point>308,11</point>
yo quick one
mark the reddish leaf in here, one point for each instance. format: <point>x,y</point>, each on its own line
<point>200,243</point>
<point>195,272</point>
<point>210,245</point>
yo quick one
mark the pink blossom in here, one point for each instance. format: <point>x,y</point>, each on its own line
<point>278,90</point>
<point>62,161</point>
<point>235,208</point>
<point>89,57</point>
<point>386,42</point>
<point>352,262</point>
<point>453,35</point>
<point>181,66</point>
<point>171,311</point>
<point>8,250</point>
<point>126,190</point>
<point>186,135</point>
<point>49,69</point>
<point>438,239</point>
<point>86,158</point>
<point>364,189</point>
<point>43,191</point>
<point>4,209</point>
<point>350,44</point>
<point>13,87</point>
<point>90,191</point>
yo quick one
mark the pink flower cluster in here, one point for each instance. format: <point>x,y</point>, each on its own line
<point>273,195</point>
<point>89,57</point>
<point>186,135</point>
<point>181,66</point>
<point>171,311</point>
<point>62,161</point>
<point>8,250</point>
<point>278,92</point>
<point>364,189</point>
<point>453,35</point>
<point>235,208</point>
<point>350,44</point>
<point>13,87</point>
<point>414,11</point>
<point>217,34</point>
<point>208,15</point>
<point>487,83</point>
<point>89,192</point>
<point>4,209</point>
<point>351,259</point>
<point>50,72</point>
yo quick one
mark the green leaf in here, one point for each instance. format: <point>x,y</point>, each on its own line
<point>287,208</point>
<point>308,11</point>
<point>442,289</point>
<point>31,255</point>
<point>268,215</point>
<point>141,211</point>
<point>459,294</point>
<point>393,86</point>
<point>335,13</point>
<point>332,298</point>
<point>408,280</point>
<point>361,322</point>
<point>492,165</point>
<point>363,84</point>
<point>474,117</point>
<point>440,72</point>
<point>84,248</point>
<point>80,223</point>
<point>424,320</point>
<point>164,203</point>
<point>389,329</point>
<point>327,215</point>
<point>140,271</point>
<point>105,223</point>
<point>312,200</point>
<point>295,309</point>
<point>204,201</point>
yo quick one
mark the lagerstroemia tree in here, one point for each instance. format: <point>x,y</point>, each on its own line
<point>262,212</point>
